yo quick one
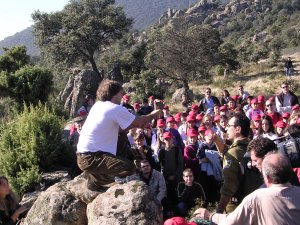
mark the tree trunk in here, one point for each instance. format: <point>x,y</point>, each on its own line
<point>95,69</point>
<point>186,85</point>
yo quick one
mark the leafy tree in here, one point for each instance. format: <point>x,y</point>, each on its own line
<point>21,81</point>
<point>29,144</point>
<point>184,52</point>
<point>82,29</point>
<point>13,59</point>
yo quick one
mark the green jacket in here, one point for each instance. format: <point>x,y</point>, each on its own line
<point>231,167</point>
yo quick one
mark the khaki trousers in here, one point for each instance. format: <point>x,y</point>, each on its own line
<point>101,168</point>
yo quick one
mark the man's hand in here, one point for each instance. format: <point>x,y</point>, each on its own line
<point>202,213</point>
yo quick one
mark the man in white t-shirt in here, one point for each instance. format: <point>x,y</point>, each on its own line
<point>97,146</point>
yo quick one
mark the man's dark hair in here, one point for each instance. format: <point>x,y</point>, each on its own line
<point>145,161</point>
<point>145,100</point>
<point>279,170</point>
<point>293,130</point>
<point>242,121</point>
<point>261,146</point>
<point>107,89</point>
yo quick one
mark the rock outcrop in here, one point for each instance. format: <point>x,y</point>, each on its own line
<point>78,86</point>
<point>71,203</point>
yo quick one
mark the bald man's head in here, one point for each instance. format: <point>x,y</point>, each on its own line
<point>276,168</point>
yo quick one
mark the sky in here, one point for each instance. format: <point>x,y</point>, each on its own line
<point>15,15</point>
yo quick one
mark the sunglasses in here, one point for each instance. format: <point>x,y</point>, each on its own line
<point>269,105</point>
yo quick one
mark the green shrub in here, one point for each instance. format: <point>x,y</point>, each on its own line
<point>29,144</point>
<point>219,70</point>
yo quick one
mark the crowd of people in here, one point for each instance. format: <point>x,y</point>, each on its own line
<point>198,155</point>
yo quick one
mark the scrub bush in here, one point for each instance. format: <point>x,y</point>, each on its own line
<point>30,144</point>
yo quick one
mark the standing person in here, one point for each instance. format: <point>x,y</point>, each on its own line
<point>97,146</point>
<point>270,111</point>
<point>288,65</point>
<point>254,110</point>
<point>10,209</point>
<point>171,161</point>
<point>286,99</point>
<point>126,102</point>
<point>244,94</point>
<point>207,103</point>
<point>277,204</point>
<point>238,129</point>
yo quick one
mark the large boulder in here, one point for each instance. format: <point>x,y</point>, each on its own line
<point>66,203</point>
<point>177,96</point>
<point>128,204</point>
<point>78,86</point>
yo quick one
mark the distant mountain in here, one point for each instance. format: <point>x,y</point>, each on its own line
<point>144,12</point>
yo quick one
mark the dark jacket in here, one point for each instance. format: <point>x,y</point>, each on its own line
<point>294,100</point>
<point>202,105</point>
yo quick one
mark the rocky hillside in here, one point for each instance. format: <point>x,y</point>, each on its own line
<point>144,12</point>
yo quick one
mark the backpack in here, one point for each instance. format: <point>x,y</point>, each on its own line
<point>291,148</point>
<point>251,178</point>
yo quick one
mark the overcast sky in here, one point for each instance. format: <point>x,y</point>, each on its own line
<point>15,15</point>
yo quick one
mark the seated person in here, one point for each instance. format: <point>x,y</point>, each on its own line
<point>10,210</point>
<point>154,179</point>
<point>88,103</point>
<point>187,192</point>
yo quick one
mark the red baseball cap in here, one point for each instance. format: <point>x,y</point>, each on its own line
<point>208,132</point>
<point>126,97</point>
<point>202,128</point>
<point>178,221</point>
<point>286,115</point>
<point>136,105</point>
<point>166,107</point>
<point>192,133</point>
<point>260,98</point>
<point>160,123</point>
<point>199,117</point>
<point>254,101</point>
<point>192,113</point>
<point>170,119</point>
<point>280,124</point>
<point>216,118</point>
<point>256,117</point>
<point>190,118</point>
<point>151,97</point>
<point>195,106</point>
<point>167,134</point>
<point>223,108</point>
<point>296,107</point>
<point>235,97</point>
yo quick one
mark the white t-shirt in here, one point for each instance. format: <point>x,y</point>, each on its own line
<point>101,128</point>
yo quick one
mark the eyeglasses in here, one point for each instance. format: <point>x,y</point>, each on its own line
<point>269,105</point>
<point>284,87</point>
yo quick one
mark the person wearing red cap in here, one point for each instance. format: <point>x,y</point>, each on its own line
<point>286,99</point>
<point>171,162</point>
<point>207,103</point>
<point>190,123</point>
<point>190,151</point>
<point>178,221</point>
<point>285,117</point>
<point>166,111</point>
<point>280,125</point>
<point>296,109</point>
<point>125,102</point>
<point>177,140</point>
<point>187,193</point>
<point>224,110</point>
<point>254,110</point>
<point>89,101</point>
<point>261,102</point>
<point>294,118</point>
<point>97,145</point>
<point>208,181</point>
<point>270,111</point>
